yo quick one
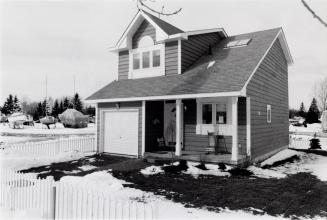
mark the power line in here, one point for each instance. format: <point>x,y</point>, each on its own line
<point>314,13</point>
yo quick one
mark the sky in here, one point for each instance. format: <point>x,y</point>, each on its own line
<point>60,40</point>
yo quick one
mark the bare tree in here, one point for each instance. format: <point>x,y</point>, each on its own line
<point>320,91</point>
<point>142,5</point>
<point>314,14</point>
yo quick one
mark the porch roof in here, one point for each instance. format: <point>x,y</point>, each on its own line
<point>229,70</point>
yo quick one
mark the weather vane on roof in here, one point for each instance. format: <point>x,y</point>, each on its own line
<point>141,5</point>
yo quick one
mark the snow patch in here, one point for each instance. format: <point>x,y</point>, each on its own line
<point>282,155</point>
<point>210,64</point>
<point>152,170</point>
<point>87,167</point>
<point>212,170</point>
<point>265,173</point>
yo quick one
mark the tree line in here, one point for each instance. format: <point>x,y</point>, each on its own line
<point>310,116</point>
<point>47,107</point>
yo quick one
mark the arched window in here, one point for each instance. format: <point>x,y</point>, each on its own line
<point>146,41</point>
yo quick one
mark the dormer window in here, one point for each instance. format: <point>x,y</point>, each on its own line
<point>147,60</point>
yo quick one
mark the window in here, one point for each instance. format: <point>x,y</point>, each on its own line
<point>238,43</point>
<point>221,114</point>
<point>136,61</point>
<point>207,114</point>
<point>146,59</point>
<point>269,113</point>
<point>156,58</point>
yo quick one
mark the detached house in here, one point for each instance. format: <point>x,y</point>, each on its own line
<point>174,88</point>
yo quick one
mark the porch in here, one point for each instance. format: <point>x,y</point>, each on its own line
<point>178,129</point>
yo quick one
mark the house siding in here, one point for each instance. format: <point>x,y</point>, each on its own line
<point>192,141</point>
<point>123,105</point>
<point>171,58</point>
<point>269,86</point>
<point>196,45</point>
<point>123,65</point>
<point>145,29</point>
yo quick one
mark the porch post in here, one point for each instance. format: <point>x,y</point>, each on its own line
<point>248,126</point>
<point>143,127</point>
<point>179,137</point>
<point>234,129</point>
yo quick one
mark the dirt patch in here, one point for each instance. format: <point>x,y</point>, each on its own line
<point>72,168</point>
<point>297,195</point>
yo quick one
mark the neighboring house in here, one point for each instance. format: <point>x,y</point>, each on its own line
<point>177,86</point>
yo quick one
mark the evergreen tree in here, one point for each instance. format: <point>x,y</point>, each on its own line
<point>38,113</point>
<point>89,111</point>
<point>66,103</point>
<point>17,106</point>
<point>61,107</point>
<point>302,112</point>
<point>8,106</point>
<point>56,109</point>
<point>313,113</point>
<point>78,105</point>
<point>315,143</point>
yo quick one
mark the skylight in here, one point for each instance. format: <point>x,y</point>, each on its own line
<point>238,43</point>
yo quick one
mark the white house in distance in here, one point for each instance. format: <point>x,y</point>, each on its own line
<point>175,87</point>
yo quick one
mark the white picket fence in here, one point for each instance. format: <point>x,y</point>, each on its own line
<point>54,147</point>
<point>57,200</point>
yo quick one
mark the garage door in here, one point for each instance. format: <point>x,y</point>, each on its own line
<point>121,132</point>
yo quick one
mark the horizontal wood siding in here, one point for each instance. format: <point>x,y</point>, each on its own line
<point>196,45</point>
<point>192,141</point>
<point>145,29</point>
<point>153,129</point>
<point>171,58</point>
<point>123,105</point>
<point>269,86</point>
<point>123,65</point>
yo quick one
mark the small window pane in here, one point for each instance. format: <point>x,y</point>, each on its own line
<point>146,59</point>
<point>136,61</point>
<point>156,58</point>
<point>206,114</point>
<point>221,114</point>
<point>269,113</point>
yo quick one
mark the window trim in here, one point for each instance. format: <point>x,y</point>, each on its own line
<point>149,71</point>
<point>268,113</point>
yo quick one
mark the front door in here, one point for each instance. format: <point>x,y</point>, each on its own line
<point>170,122</point>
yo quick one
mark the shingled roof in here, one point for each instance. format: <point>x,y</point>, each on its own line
<point>166,27</point>
<point>229,70</point>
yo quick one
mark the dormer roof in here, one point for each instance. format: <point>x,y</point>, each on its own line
<point>164,31</point>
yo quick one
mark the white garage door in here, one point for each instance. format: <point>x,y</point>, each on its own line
<point>121,132</point>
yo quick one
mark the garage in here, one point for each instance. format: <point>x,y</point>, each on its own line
<point>120,132</point>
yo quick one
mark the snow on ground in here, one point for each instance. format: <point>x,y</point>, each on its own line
<point>39,128</point>
<point>282,155</point>
<point>310,163</point>
<point>315,128</point>
<point>87,167</point>
<point>152,170</point>
<point>14,160</point>
<point>104,181</point>
<point>212,169</point>
<point>303,141</point>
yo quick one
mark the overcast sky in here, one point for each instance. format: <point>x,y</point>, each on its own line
<point>61,39</point>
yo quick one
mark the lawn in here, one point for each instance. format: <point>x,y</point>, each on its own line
<point>298,194</point>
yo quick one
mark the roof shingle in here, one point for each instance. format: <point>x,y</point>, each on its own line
<point>228,72</point>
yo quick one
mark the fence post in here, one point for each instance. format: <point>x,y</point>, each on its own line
<point>53,203</point>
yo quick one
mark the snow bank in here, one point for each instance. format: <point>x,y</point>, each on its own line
<point>20,214</point>
<point>212,170</point>
<point>15,160</point>
<point>266,173</point>
<point>282,155</point>
<point>97,180</point>
<point>38,128</point>
<point>315,128</point>
<point>152,170</point>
